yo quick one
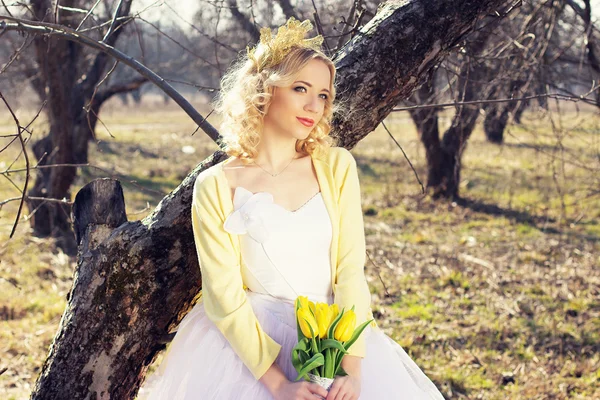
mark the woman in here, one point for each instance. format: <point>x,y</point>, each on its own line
<point>280,218</point>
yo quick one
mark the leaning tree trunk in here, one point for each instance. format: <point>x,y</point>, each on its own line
<point>134,281</point>
<point>67,93</point>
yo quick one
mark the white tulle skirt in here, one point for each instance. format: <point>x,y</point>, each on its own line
<point>200,363</point>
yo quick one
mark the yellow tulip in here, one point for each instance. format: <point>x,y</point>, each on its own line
<point>306,303</point>
<point>323,315</point>
<point>335,310</point>
<point>306,319</point>
<point>345,327</point>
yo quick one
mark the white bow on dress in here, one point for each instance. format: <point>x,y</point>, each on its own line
<point>247,216</point>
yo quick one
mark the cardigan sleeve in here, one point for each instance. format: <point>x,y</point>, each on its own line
<point>225,300</point>
<point>351,287</point>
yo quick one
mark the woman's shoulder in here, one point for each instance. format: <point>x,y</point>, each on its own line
<point>208,178</point>
<point>339,158</point>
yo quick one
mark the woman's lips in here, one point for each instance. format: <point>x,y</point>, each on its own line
<point>305,122</point>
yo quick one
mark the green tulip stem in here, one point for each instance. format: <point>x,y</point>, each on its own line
<point>326,363</point>
<point>318,338</point>
<point>332,357</point>
<point>315,349</point>
<point>323,370</point>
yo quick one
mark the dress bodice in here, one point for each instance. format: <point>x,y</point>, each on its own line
<point>285,253</point>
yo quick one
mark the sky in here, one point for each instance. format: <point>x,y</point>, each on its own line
<point>153,9</point>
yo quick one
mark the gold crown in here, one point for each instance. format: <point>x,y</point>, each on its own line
<point>289,35</point>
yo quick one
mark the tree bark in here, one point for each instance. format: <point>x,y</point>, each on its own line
<point>390,56</point>
<point>134,283</point>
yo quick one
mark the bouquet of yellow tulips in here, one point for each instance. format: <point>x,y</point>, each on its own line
<point>324,336</point>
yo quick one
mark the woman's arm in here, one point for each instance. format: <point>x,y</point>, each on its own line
<point>274,378</point>
<point>224,298</point>
<point>351,364</point>
<point>351,288</point>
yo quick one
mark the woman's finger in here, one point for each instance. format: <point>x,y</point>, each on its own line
<point>334,391</point>
<point>316,389</point>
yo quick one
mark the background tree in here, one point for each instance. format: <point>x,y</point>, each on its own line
<point>528,56</point>
<point>67,76</point>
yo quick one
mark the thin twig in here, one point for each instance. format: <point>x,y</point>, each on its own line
<point>320,27</point>
<point>69,34</point>
<point>405,156</point>
<point>87,15</point>
<point>118,176</point>
<point>24,149</point>
<point>113,22</point>
<point>387,293</point>
<point>557,96</point>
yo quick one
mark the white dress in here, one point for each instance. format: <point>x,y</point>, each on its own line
<point>200,364</point>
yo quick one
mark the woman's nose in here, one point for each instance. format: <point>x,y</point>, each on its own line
<point>312,105</point>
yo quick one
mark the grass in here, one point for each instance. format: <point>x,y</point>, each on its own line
<point>493,299</point>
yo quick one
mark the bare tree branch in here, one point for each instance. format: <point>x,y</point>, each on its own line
<point>244,21</point>
<point>557,96</point>
<point>69,34</point>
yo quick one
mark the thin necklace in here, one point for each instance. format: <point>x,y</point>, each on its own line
<point>274,175</point>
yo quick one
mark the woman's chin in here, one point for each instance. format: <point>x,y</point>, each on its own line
<point>303,136</point>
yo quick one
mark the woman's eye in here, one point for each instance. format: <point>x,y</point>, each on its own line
<point>302,88</point>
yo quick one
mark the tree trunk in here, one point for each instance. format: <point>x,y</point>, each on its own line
<point>497,115</point>
<point>60,62</point>
<point>494,124</point>
<point>444,156</point>
<point>57,66</point>
<point>134,283</point>
<point>426,121</point>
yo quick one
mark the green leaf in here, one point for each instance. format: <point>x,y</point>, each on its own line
<point>318,340</point>
<point>356,334</point>
<point>312,333</point>
<point>338,362</point>
<point>334,324</point>
<point>304,356</point>
<point>300,354</point>
<point>347,344</point>
<point>332,344</point>
<point>303,345</point>
<point>314,347</point>
<point>315,361</point>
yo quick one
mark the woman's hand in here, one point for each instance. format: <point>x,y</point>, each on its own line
<point>344,388</point>
<point>302,390</point>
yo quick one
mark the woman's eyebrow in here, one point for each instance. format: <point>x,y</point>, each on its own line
<point>309,85</point>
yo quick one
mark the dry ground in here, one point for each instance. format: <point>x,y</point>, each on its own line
<point>495,297</point>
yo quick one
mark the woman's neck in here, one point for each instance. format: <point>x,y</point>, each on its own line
<point>275,156</point>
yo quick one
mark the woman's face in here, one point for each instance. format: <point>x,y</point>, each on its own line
<point>293,107</point>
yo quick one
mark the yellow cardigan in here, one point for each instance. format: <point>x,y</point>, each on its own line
<point>219,255</point>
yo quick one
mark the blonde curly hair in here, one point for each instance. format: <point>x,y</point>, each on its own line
<point>246,94</point>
